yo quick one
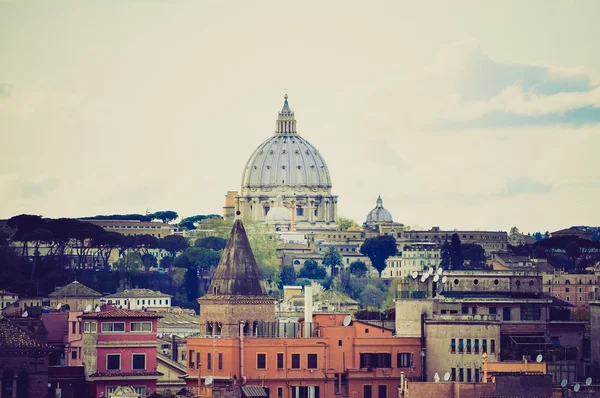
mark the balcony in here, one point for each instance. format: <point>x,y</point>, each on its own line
<point>465,317</point>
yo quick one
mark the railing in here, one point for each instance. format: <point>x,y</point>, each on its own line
<point>269,330</point>
<point>466,317</point>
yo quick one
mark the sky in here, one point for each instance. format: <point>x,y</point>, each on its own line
<point>463,114</point>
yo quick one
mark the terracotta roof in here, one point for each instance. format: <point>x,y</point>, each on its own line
<point>12,336</point>
<point>335,297</point>
<point>121,313</point>
<point>137,293</point>
<point>125,374</point>
<point>237,273</point>
<point>7,293</point>
<point>74,289</point>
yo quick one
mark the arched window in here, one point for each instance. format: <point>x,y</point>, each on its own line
<point>246,328</point>
<point>255,328</point>
<point>219,329</point>
<point>22,385</point>
<point>7,383</point>
<point>209,328</point>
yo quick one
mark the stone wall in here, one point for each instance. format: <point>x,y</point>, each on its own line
<point>450,390</point>
<point>37,372</point>
<point>524,386</point>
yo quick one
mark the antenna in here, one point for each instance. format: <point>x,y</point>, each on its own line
<point>447,376</point>
<point>577,387</point>
<point>436,377</point>
<point>347,320</point>
<point>424,277</point>
<point>25,314</point>
<point>444,279</point>
<point>588,381</point>
<point>436,278</point>
<point>415,274</point>
<point>539,358</point>
<point>563,383</point>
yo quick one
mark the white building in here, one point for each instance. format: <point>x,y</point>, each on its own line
<point>416,257</point>
<point>7,298</point>
<point>139,299</point>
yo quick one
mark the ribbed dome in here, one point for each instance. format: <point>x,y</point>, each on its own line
<point>286,159</point>
<point>379,214</point>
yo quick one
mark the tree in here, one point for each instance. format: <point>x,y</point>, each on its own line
<point>167,262</point>
<point>288,275</point>
<point>378,249</point>
<point>144,243</point>
<point>372,297</point>
<point>445,255</point>
<point>84,233</point>
<point>332,259</point>
<point>189,222</point>
<point>174,244</point>
<point>345,224</point>
<point>515,237</point>
<point>24,225</point>
<point>105,243</point>
<point>129,262</point>
<point>358,269</point>
<point>474,255</point>
<point>312,270</point>
<point>165,216</point>
<point>456,257</point>
<point>149,261</point>
<point>211,242</point>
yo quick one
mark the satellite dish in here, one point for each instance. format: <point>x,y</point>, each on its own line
<point>439,289</point>
<point>58,306</point>
<point>577,387</point>
<point>539,358</point>
<point>436,278</point>
<point>440,271</point>
<point>563,383</point>
<point>208,380</point>
<point>97,309</point>
<point>25,314</point>
<point>415,274</point>
<point>447,376</point>
<point>88,308</point>
<point>347,320</point>
<point>436,377</point>
<point>588,381</point>
<point>444,279</point>
<point>423,277</point>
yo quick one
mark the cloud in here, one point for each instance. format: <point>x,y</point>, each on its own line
<point>462,87</point>
<point>525,186</point>
<point>34,188</point>
<point>5,89</point>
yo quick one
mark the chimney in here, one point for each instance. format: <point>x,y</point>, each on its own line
<point>308,304</point>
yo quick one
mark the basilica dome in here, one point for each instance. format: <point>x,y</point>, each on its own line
<point>379,215</point>
<point>286,161</point>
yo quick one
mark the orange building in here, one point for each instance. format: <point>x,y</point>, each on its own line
<point>358,360</point>
<point>243,344</point>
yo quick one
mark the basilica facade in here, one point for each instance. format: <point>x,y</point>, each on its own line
<point>286,175</point>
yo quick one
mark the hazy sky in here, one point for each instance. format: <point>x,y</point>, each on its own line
<point>462,114</point>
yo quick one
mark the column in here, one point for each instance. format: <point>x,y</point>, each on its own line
<point>335,216</point>
<point>14,391</point>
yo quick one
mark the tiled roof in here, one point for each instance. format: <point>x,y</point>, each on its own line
<point>74,289</point>
<point>137,293</point>
<point>12,336</point>
<point>335,296</point>
<point>125,374</point>
<point>7,293</point>
<point>170,320</point>
<point>121,313</point>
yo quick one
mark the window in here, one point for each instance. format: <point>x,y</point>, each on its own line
<point>465,310</point>
<point>279,392</point>
<point>340,343</point>
<point>261,361</point>
<point>138,362</point>
<point>73,354</point>
<point>403,360</point>
<point>453,346</point>
<point>209,361</point>
<point>220,359</point>
<point>461,374</point>
<point>280,360</point>
<point>113,327</point>
<point>191,365</point>
<point>141,326</point>
<point>506,314</point>
<point>113,362</point>
<point>295,361</point>
<point>312,361</point>
<point>460,346</point>
<point>476,346</point>
<point>567,289</point>
<point>492,346</point>
<point>476,376</point>
<point>468,346</point>
<point>382,391</point>
<point>73,327</point>
<point>453,374</point>
<point>531,312</point>
<point>375,360</point>
<point>367,391</point>
<point>305,392</point>
<point>198,358</point>
<point>474,310</point>
<point>300,211</point>
<point>468,375</point>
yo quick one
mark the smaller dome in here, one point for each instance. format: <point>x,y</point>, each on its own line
<point>278,213</point>
<point>379,214</point>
